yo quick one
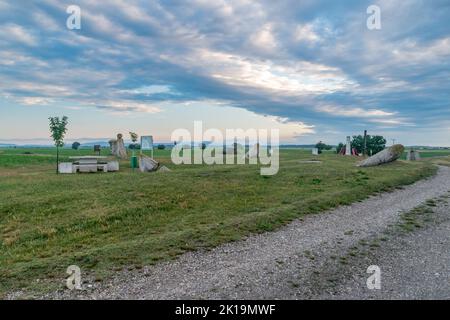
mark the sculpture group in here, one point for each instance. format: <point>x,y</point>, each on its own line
<point>146,163</point>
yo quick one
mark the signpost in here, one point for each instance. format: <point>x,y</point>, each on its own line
<point>147,144</point>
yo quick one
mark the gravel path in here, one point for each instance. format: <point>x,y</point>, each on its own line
<point>306,259</point>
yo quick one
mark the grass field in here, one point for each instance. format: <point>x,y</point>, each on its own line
<point>105,222</point>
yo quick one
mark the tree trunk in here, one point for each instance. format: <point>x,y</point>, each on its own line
<point>57,159</point>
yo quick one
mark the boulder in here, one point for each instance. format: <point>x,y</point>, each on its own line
<point>387,155</point>
<point>113,166</point>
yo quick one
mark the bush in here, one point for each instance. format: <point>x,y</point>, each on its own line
<point>134,146</point>
<point>339,147</point>
<point>76,145</point>
<point>322,146</point>
<point>161,147</point>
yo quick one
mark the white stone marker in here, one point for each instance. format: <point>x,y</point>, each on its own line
<point>65,167</point>
<point>348,148</point>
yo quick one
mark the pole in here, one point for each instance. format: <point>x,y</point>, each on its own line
<point>365,143</point>
<point>57,159</point>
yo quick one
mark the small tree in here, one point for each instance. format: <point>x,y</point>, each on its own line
<point>76,145</point>
<point>58,129</point>
<point>322,146</point>
<point>161,147</point>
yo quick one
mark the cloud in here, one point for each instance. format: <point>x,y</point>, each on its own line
<point>128,106</point>
<point>355,112</point>
<point>306,33</point>
<point>311,62</point>
<point>15,33</point>
<point>34,101</point>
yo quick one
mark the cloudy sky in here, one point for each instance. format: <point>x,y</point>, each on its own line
<point>310,68</point>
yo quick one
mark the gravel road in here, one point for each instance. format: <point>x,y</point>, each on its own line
<point>314,258</point>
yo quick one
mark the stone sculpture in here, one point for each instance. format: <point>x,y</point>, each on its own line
<point>118,147</point>
<point>387,155</point>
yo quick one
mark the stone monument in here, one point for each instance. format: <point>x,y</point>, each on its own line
<point>413,155</point>
<point>348,147</point>
<point>387,155</point>
<point>118,147</point>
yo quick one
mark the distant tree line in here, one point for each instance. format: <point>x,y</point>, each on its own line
<point>322,146</point>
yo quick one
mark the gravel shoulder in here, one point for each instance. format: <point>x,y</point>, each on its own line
<point>313,258</point>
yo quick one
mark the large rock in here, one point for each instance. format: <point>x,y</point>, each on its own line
<point>113,166</point>
<point>147,164</point>
<point>118,147</point>
<point>387,155</point>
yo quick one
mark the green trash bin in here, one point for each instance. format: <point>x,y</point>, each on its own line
<point>134,162</point>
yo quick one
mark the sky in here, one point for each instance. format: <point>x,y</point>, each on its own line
<point>311,68</point>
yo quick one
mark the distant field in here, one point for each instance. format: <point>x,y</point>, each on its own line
<point>430,153</point>
<point>104,222</point>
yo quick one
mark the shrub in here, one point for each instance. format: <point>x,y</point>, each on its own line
<point>76,145</point>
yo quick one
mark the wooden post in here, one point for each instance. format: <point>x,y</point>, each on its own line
<point>365,143</point>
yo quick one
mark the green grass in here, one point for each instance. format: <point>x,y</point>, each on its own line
<point>104,222</point>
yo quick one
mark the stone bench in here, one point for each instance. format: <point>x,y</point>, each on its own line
<point>69,167</point>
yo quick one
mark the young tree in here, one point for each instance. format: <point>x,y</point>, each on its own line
<point>58,129</point>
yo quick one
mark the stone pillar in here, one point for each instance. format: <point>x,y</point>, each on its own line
<point>348,148</point>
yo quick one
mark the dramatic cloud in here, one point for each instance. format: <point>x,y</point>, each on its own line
<point>312,63</point>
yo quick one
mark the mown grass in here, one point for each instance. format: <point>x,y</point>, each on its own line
<point>444,161</point>
<point>104,222</point>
